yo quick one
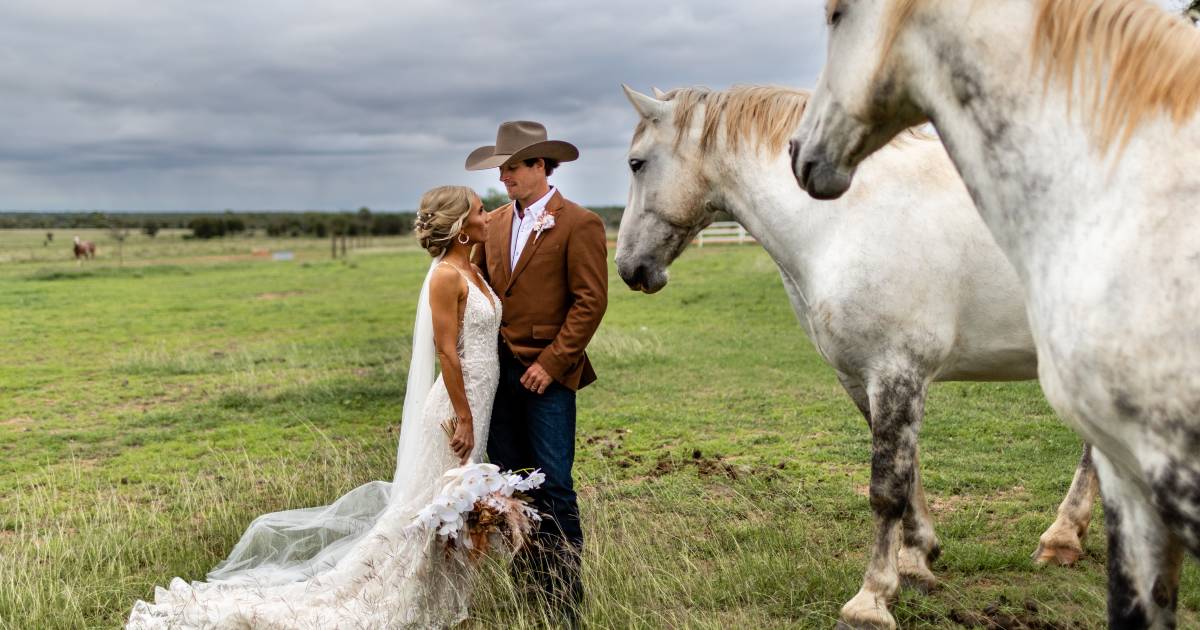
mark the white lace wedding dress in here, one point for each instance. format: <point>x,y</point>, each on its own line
<point>351,564</point>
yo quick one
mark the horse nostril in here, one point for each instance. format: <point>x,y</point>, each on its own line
<point>805,172</point>
<point>632,276</point>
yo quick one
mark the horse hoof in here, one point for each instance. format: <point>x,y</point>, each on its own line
<point>882,623</point>
<point>865,612</point>
<point>1064,554</point>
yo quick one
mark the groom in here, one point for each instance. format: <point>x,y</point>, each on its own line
<point>547,259</point>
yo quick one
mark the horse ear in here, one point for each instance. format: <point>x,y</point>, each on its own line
<point>648,107</point>
<point>659,94</point>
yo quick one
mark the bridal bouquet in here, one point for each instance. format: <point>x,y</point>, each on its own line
<point>478,507</point>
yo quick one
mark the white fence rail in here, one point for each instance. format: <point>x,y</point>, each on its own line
<point>724,232</point>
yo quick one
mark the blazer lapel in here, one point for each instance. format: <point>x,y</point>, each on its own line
<point>552,207</point>
<point>504,216</point>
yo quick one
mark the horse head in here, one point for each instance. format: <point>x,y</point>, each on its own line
<point>670,199</point>
<point>860,102</point>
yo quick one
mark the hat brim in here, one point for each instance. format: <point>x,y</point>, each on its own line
<point>484,158</point>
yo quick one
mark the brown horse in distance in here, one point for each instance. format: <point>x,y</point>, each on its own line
<point>84,249</point>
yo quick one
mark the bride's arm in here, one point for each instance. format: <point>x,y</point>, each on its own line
<point>447,290</point>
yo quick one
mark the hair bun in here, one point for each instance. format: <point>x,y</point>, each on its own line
<point>441,215</point>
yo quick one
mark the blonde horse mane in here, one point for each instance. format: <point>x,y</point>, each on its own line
<point>1152,60</point>
<point>1130,58</point>
<point>768,114</point>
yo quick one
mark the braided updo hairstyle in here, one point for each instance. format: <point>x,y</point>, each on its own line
<point>442,212</point>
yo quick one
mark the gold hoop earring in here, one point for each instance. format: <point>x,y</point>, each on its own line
<point>463,239</point>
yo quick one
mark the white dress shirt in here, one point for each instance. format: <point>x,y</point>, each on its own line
<point>522,226</point>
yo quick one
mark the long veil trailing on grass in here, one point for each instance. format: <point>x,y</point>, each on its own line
<point>293,545</point>
<point>357,562</point>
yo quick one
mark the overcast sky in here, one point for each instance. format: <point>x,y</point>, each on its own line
<point>289,104</point>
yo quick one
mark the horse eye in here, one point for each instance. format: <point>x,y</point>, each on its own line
<point>636,165</point>
<point>835,18</point>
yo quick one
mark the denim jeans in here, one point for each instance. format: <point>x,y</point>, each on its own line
<point>530,430</point>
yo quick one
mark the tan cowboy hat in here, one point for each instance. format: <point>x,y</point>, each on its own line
<point>520,140</point>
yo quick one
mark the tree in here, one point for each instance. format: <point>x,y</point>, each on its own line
<point>494,199</point>
<point>150,228</point>
<point>364,221</point>
<point>118,231</point>
<point>206,227</point>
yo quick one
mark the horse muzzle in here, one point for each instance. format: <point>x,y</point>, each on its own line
<point>817,175</point>
<point>642,277</point>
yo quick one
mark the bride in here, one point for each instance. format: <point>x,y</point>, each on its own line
<point>352,564</point>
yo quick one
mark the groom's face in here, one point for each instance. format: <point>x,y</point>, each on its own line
<point>520,181</point>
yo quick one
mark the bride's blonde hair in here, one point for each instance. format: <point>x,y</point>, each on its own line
<point>441,215</point>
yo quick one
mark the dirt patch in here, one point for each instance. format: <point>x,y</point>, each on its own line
<point>711,466</point>
<point>18,422</point>
<point>1002,615</point>
<point>611,446</point>
<point>954,502</point>
<point>273,295</point>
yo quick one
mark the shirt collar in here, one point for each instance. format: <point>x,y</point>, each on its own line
<point>535,209</point>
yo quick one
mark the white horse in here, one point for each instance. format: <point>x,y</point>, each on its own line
<point>1073,124</point>
<point>890,302</point>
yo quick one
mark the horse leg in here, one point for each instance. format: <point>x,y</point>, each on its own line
<point>858,393</point>
<point>1062,543</point>
<point>1144,557</point>
<point>919,545</point>
<point>897,405</point>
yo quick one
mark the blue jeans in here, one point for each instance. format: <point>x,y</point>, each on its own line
<point>530,430</point>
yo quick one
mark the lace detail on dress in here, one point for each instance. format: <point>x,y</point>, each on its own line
<point>378,576</point>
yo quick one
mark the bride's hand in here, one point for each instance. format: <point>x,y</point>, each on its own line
<point>464,438</point>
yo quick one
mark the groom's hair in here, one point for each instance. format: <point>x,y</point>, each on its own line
<point>550,163</point>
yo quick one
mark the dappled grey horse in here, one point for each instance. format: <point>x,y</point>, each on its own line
<point>1076,128</point>
<point>890,302</point>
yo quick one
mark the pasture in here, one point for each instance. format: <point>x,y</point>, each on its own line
<point>149,411</point>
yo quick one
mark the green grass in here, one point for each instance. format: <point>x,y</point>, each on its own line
<point>148,412</point>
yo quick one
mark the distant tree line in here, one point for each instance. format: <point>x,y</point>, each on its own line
<point>206,225</point>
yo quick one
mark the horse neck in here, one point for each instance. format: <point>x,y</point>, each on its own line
<point>759,190</point>
<point>1028,163</point>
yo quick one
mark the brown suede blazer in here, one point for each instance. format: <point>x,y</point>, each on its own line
<point>555,296</point>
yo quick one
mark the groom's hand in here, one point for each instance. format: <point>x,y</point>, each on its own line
<point>536,379</point>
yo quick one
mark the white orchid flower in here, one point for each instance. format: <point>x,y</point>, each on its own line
<point>463,499</point>
<point>427,518</point>
<point>450,530</point>
<point>493,482</point>
<point>534,480</point>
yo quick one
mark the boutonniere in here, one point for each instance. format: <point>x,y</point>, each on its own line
<point>543,223</point>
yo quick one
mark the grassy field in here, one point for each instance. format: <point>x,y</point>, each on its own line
<point>149,411</point>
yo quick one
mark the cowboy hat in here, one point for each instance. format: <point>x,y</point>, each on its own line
<point>520,140</point>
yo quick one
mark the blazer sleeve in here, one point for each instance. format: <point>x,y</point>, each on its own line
<point>587,282</point>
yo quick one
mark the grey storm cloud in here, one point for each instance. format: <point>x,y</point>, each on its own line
<point>280,104</point>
